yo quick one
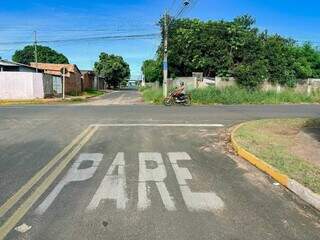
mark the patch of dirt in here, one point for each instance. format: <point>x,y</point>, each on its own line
<point>286,131</point>
<point>306,146</point>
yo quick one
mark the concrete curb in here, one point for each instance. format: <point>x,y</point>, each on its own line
<point>304,193</point>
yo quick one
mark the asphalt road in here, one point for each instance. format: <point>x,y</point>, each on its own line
<point>140,172</point>
<point>123,97</point>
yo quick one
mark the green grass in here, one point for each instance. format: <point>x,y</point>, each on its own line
<point>92,93</point>
<point>152,95</point>
<point>236,95</point>
<point>271,141</point>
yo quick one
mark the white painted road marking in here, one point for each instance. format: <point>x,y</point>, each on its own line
<point>112,186</point>
<point>157,175</point>
<point>194,201</point>
<point>74,175</point>
<point>157,125</point>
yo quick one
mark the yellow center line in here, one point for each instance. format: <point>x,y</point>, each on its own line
<point>28,203</point>
<point>25,188</point>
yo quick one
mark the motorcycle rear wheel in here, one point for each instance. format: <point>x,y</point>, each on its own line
<point>187,101</point>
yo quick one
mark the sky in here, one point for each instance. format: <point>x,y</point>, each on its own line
<point>74,19</point>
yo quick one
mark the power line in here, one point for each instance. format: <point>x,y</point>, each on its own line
<point>119,37</point>
<point>172,5</point>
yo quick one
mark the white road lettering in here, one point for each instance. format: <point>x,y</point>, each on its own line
<point>157,175</point>
<point>112,186</point>
<point>74,175</point>
<point>194,201</point>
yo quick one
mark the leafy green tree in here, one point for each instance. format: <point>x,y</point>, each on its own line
<point>237,48</point>
<point>213,47</point>
<point>251,75</point>
<point>152,70</point>
<point>307,63</point>
<point>280,60</point>
<point>45,55</point>
<point>113,68</point>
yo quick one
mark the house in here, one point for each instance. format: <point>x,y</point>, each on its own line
<point>10,66</point>
<point>73,76</point>
<point>20,81</point>
<point>87,80</point>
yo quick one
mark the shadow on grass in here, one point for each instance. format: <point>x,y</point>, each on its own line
<point>312,128</point>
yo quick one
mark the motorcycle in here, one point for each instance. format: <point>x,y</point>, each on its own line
<point>173,99</point>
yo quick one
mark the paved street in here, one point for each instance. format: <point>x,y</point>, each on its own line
<point>138,171</point>
<point>124,97</point>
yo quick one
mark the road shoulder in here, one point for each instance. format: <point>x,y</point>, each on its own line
<point>256,158</point>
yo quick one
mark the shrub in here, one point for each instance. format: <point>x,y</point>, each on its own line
<point>251,75</point>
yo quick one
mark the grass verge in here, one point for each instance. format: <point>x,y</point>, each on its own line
<point>152,95</point>
<point>272,141</point>
<point>236,95</point>
<point>92,93</point>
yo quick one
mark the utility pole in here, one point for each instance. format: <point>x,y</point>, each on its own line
<point>165,56</point>
<point>64,83</point>
<point>35,50</point>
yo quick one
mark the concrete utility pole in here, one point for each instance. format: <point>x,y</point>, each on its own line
<point>35,50</point>
<point>165,56</point>
<point>64,83</point>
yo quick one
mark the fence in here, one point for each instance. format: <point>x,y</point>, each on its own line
<point>21,85</point>
<point>28,85</point>
<point>189,82</point>
<point>304,85</point>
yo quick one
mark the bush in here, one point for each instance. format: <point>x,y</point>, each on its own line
<point>251,75</point>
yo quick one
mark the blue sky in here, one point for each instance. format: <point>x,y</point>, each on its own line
<point>61,19</point>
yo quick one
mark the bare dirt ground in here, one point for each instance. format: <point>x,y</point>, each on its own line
<point>307,145</point>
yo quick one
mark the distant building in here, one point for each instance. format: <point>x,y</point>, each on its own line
<point>87,80</point>
<point>73,76</point>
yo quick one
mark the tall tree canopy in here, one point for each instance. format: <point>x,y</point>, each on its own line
<point>237,48</point>
<point>113,68</point>
<point>45,55</point>
<point>152,70</point>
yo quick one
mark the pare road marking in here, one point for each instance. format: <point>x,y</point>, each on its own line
<point>157,175</point>
<point>74,175</point>
<point>195,201</point>
<point>27,187</point>
<point>43,187</point>
<point>113,185</point>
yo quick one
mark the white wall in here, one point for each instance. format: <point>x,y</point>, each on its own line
<point>21,85</point>
<point>190,82</point>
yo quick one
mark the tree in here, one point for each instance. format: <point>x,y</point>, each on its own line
<point>237,48</point>
<point>280,60</point>
<point>152,70</point>
<point>251,75</point>
<point>113,68</point>
<point>44,54</point>
<point>307,63</point>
